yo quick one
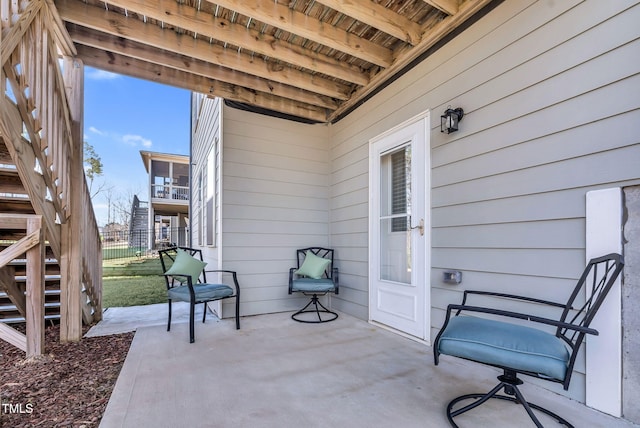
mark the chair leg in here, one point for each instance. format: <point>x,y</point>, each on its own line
<point>192,310</point>
<point>317,305</point>
<point>237,313</point>
<point>204,312</point>
<point>509,381</point>
<point>169,321</point>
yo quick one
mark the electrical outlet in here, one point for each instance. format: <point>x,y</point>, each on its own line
<point>452,276</point>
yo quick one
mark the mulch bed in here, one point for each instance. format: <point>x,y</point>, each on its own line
<point>68,386</point>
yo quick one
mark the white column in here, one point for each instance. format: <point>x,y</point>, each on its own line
<point>604,352</point>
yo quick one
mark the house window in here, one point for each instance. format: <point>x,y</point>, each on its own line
<point>198,209</point>
<point>400,188</point>
<point>210,196</point>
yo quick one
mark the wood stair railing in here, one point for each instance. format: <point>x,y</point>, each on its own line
<point>30,301</point>
<point>41,149</point>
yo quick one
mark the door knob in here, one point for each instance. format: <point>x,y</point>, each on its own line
<point>420,226</point>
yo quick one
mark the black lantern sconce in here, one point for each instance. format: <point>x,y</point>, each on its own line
<point>449,120</point>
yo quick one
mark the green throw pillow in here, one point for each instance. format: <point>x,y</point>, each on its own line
<point>185,264</point>
<point>313,266</point>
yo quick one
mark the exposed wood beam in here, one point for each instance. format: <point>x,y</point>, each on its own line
<point>11,39</point>
<point>34,316</point>
<point>119,25</point>
<point>16,249</point>
<point>448,6</point>
<point>56,26</point>
<point>73,227</point>
<point>189,65</point>
<point>105,42</point>
<point>169,76</point>
<point>408,55</point>
<point>182,16</point>
<point>379,17</point>
<point>13,221</point>
<point>281,16</point>
<point>13,336</point>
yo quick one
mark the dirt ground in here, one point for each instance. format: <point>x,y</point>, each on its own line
<point>69,386</point>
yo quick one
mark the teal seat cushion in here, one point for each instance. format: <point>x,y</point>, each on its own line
<point>311,285</point>
<point>505,345</point>
<point>202,291</point>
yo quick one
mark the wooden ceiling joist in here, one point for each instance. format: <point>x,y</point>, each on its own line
<point>448,6</point>
<point>108,43</point>
<point>183,16</point>
<point>378,17</point>
<point>119,25</point>
<point>281,16</point>
<point>315,59</point>
<point>170,76</point>
<point>436,34</point>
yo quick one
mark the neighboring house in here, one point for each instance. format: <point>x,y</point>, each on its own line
<point>551,95</point>
<point>168,207</point>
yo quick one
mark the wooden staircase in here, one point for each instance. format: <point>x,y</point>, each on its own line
<point>14,200</point>
<point>50,249</point>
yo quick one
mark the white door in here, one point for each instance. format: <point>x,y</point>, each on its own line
<point>399,237</point>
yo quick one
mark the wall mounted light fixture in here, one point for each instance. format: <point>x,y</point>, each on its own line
<point>449,120</point>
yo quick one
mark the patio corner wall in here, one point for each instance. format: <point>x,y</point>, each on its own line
<point>274,200</point>
<point>631,306</point>
<point>547,119</point>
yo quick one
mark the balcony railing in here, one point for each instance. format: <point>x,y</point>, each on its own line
<point>177,193</point>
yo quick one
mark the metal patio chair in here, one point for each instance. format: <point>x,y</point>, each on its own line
<point>525,349</point>
<point>315,275</point>
<point>186,281</point>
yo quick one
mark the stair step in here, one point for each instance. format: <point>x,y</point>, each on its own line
<point>5,156</point>
<point>11,308</point>
<point>23,278</point>
<point>23,262</point>
<point>47,292</point>
<point>10,182</point>
<point>17,320</point>
<point>15,205</point>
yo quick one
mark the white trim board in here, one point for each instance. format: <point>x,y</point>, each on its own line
<point>604,352</point>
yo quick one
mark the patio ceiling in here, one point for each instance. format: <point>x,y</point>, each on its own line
<point>312,59</point>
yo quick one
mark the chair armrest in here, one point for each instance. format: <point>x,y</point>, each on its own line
<point>291,270</point>
<point>234,274</point>
<point>336,280</point>
<point>192,293</point>
<point>511,296</point>
<point>517,315</point>
<point>168,283</point>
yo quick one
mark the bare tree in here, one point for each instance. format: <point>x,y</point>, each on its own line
<point>122,205</point>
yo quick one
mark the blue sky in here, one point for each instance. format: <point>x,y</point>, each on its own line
<point>124,115</point>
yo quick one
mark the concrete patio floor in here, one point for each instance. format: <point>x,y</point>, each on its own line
<point>275,372</point>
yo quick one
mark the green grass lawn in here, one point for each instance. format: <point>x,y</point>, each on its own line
<point>120,291</point>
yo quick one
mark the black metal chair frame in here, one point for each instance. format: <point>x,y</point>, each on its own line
<point>572,326</point>
<point>331,273</point>
<point>172,281</point>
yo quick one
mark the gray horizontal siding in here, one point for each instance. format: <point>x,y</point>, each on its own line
<point>551,93</point>
<point>205,131</point>
<point>275,201</point>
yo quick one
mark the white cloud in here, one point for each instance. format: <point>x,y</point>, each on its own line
<point>137,140</point>
<point>96,131</point>
<point>101,75</point>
